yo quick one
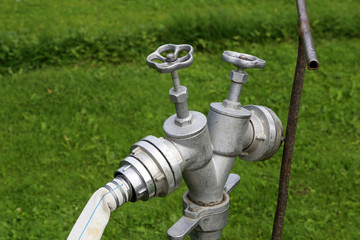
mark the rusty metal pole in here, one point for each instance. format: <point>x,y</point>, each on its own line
<point>306,57</point>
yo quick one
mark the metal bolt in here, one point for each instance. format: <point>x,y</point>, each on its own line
<point>238,76</point>
<point>160,177</point>
<point>141,191</point>
<point>126,168</point>
<point>193,208</point>
<point>170,57</point>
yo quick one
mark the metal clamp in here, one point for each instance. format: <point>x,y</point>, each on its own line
<point>204,220</point>
<point>268,134</point>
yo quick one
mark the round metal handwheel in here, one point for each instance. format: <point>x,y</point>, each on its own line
<point>171,62</point>
<point>242,60</point>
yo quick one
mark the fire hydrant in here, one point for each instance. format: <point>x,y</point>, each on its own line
<point>197,149</point>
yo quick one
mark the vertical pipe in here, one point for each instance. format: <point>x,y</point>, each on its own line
<point>305,33</point>
<point>289,142</point>
<point>306,56</point>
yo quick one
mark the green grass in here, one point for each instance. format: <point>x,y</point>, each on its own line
<point>65,126</point>
<point>41,33</point>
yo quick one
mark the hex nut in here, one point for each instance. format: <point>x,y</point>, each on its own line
<point>182,122</point>
<point>239,77</point>
<point>179,96</point>
<point>230,104</point>
<point>193,207</point>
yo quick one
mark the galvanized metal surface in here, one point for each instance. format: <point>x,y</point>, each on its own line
<point>239,77</point>
<point>268,134</point>
<point>171,64</point>
<point>204,222</point>
<point>201,150</point>
<point>243,60</point>
<point>306,56</point>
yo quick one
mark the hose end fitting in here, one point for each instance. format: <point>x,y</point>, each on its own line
<point>120,189</point>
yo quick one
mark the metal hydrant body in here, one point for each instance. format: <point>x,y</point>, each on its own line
<point>199,149</point>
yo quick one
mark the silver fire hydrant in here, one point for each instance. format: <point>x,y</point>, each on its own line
<point>201,150</point>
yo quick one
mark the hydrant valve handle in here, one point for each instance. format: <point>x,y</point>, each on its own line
<point>242,60</point>
<point>171,62</point>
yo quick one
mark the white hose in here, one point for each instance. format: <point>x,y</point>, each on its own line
<point>95,216</point>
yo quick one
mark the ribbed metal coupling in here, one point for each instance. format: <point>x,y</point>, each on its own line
<point>120,190</point>
<point>153,168</point>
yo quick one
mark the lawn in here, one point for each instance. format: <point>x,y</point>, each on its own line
<point>76,93</point>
